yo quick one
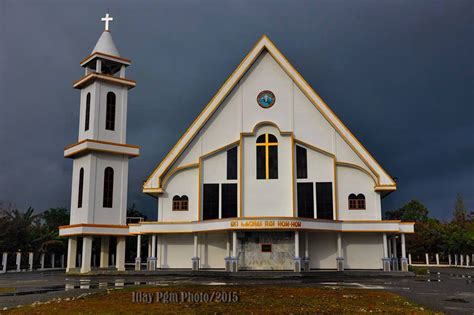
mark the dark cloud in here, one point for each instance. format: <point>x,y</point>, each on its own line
<point>398,73</point>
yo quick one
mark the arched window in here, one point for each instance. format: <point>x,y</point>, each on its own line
<point>108,187</point>
<point>180,203</point>
<point>81,188</point>
<point>110,113</point>
<point>267,157</point>
<point>356,202</point>
<point>88,111</point>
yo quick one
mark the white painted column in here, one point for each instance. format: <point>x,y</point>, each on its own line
<point>461,260</point>
<point>409,259</point>
<point>138,258</point>
<point>394,247</point>
<point>227,245</point>
<point>71,254</point>
<point>86,254</point>
<point>104,251</point>
<point>30,261</point>
<point>62,261</point>
<point>403,260</point>
<point>157,250</point>
<point>195,258</point>
<point>4,262</point>
<point>449,259</point>
<point>437,258</point>
<point>18,261</point>
<point>455,259</point>
<point>42,260</point>
<point>53,260</point>
<point>427,258</point>
<point>385,259</point>
<point>389,243</point>
<point>467,260</point>
<point>306,245</point>
<point>297,244</point>
<point>340,255</point>
<point>234,244</point>
<point>120,251</point>
<point>149,246</point>
<point>153,246</point>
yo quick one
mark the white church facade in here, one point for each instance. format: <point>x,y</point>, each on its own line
<point>267,177</point>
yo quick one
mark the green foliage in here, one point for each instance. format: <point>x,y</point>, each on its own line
<point>27,231</point>
<point>412,211</point>
<point>459,213</point>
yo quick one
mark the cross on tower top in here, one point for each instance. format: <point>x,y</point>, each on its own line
<point>107,19</point>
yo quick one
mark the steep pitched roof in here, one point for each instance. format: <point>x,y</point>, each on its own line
<point>106,45</point>
<point>153,183</point>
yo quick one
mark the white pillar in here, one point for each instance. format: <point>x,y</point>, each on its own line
<point>403,260</point>
<point>297,244</point>
<point>467,260</point>
<point>71,253</point>
<point>138,258</point>
<point>455,259</point>
<point>42,260</point>
<point>427,258</point>
<point>122,71</point>
<point>62,261</point>
<point>195,258</point>
<point>227,245</point>
<point>149,246</point>
<point>385,259</point>
<point>86,254</point>
<point>4,262</point>
<point>104,251</point>
<point>340,255</point>
<point>409,259</point>
<point>461,260</point>
<point>18,261</point>
<point>394,247</point>
<point>449,259</point>
<point>30,261</point>
<point>234,244</point>
<point>153,246</point>
<point>53,258</point>
<point>306,245</point>
<point>157,250</point>
<point>389,247</point>
<point>120,251</point>
<point>437,258</point>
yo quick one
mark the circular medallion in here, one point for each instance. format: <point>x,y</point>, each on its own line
<point>266,99</point>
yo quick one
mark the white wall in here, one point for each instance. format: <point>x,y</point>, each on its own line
<point>175,250</point>
<point>322,250</point>
<point>184,182</point>
<point>350,180</point>
<point>272,197</point>
<point>212,250</point>
<point>362,250</point>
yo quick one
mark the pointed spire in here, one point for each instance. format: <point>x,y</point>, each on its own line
<point>106,45</point>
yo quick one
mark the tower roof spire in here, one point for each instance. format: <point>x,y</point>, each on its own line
<point>105,44</point>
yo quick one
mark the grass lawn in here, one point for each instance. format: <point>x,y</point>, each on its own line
<point>253,300</point>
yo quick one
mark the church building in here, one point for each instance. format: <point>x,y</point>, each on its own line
<point>267,177</point>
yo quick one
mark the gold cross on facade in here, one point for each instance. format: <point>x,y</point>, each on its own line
<point>267,146</point>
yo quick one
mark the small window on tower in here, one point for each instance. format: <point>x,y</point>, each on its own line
<point>88,111</point>
<point>110,112</point>
<point>108,187</point>
<point>81,188</point>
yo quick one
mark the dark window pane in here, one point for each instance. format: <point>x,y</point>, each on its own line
<point>266,248</point>
<point>110,113</point>
<point>184,203</point>
<point>261,139</point>
<point>272,139</point>
<point>229,200</point>
<point>81,188</point>
<point>108,187</point>
<point>305,200</point>
<point>232,163</point>
<point>324,200</point>
<point>273,162</point>
<point>210,205</point>
<point>176,203</point>
<point>301,162</point>
<point>88,111</point>
<point>261,162</point>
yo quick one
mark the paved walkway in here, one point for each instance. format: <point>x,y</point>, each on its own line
<point>450,291</point>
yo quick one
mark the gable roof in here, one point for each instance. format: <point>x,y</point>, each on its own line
<point>153,184</point>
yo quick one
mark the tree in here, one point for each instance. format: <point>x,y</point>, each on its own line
<point>412,211</point>
<point>459,213</point>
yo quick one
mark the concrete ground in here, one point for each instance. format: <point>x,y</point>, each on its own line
<point>445,289</point>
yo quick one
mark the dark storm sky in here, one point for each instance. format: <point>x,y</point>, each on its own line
<point>399,74</point>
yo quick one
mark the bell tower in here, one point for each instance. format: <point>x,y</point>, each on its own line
<point>100,156</point>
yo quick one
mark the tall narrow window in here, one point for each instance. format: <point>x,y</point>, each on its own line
<point>81,188</point>
<point>356,202</point>
<point>267,157</point>
<point>324,200</point>
<point>110,112</point>
<point>210,204</point>
<point>232,163</point>
<point>88,111</point>
<point>301,162</point>
<point>229,200</point>
<point>305,200</point>
<point>108,187</point>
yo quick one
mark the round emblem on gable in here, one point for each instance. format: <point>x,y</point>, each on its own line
<point>266,99</point>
